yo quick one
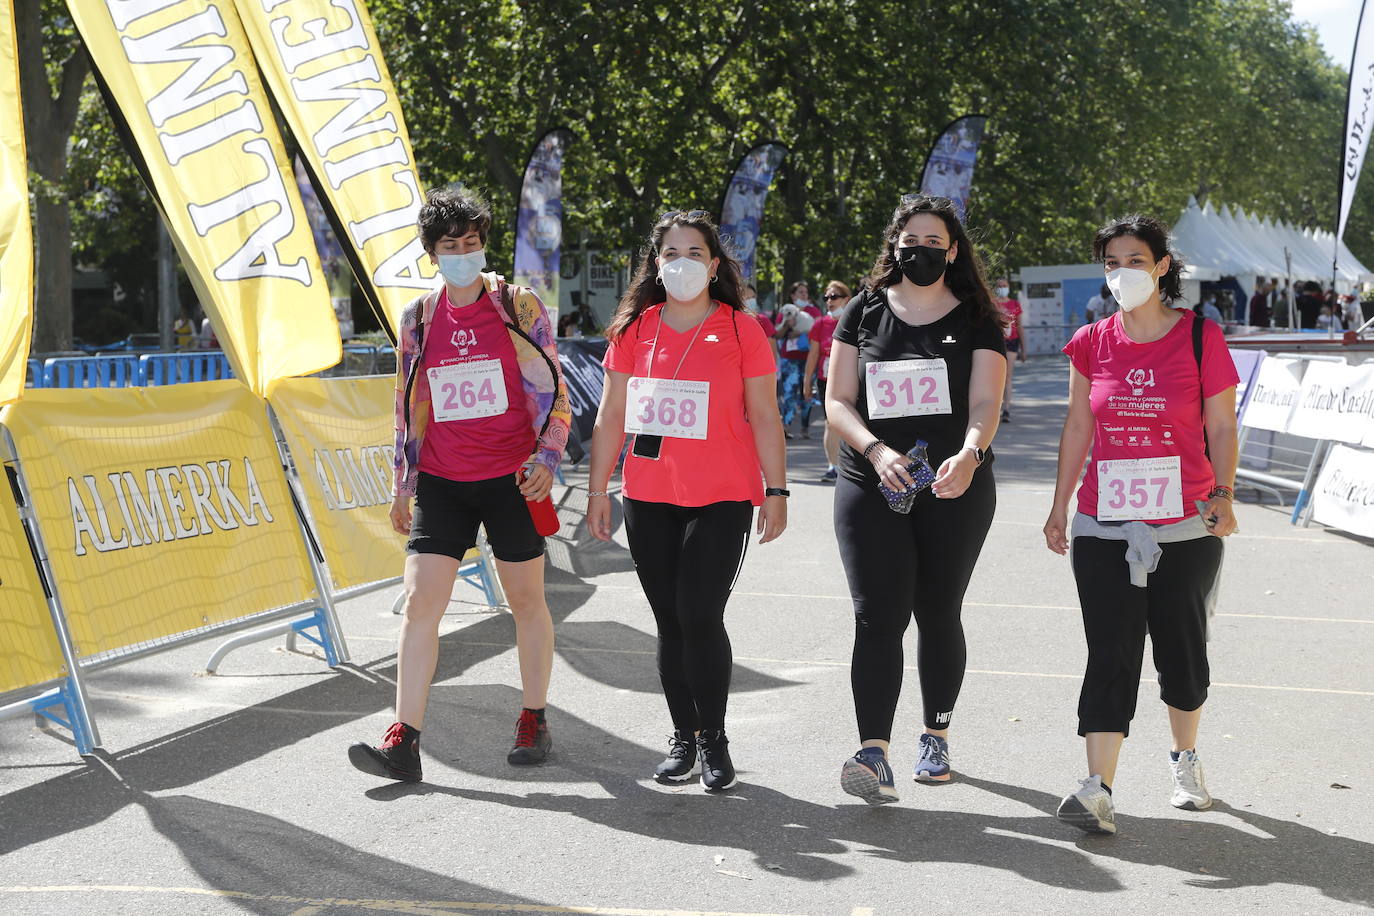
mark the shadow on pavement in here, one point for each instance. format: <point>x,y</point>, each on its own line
<point>1221,856</point>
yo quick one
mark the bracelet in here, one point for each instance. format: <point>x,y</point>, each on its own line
<point>868,451</point>
<point>591,493</point>
<point>1222,490</point>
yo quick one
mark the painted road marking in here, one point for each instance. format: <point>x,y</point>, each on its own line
<point>311,905</point>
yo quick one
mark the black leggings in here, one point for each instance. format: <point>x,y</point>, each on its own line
<point>900,565</point>
<point>687,559</point>
<point>1116,614</point>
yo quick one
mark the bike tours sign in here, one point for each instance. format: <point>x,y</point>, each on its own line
<point>181,83</point>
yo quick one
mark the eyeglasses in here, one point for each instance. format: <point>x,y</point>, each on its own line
<point>828,296</point>
<point>685,214</point>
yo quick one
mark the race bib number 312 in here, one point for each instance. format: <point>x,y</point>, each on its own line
<point>1139,489</point>
<point>907,388</point>
<point>676,408</point>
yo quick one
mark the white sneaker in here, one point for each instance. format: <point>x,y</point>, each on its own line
<point>1090,808</point>
<point>1190,790</point>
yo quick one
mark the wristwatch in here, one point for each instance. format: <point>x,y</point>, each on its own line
<point>777,491</point>
<point>977,452</point>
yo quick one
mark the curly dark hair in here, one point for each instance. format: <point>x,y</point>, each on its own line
<point>1154,233</point>
<point>645,290</point>
<point>966,277</point>
<point>453,210</point>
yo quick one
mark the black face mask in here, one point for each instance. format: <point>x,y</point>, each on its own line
<point>922,265</point>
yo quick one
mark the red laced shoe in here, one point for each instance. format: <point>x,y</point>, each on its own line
<point>532,741</point>
<point>397,757</point>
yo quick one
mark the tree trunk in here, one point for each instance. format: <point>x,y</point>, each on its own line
<point>52,274</point>
<point>48,124</point>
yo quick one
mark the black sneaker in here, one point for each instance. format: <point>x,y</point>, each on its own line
<point>717,770</point>
<point>397,757</point>
<point>532,741</point>
<point>681,759</point>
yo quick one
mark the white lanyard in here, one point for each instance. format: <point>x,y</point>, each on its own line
<point>653,350</point>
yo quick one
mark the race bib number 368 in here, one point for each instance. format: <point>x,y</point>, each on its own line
<point>907,388</point>
<point>667,407</point>
<point>1139,489</point>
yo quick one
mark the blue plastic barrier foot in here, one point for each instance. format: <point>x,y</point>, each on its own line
<point>1298,505</point>
<point>65,697</point>
<point>320,635</point>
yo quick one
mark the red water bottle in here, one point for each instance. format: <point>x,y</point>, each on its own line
<point>543,513</point>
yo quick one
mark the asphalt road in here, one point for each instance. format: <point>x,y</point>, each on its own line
<point>232,793</point>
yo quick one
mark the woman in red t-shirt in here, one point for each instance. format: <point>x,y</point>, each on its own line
<point>822,336</point>
<point>1015,339</point>
<point>691,375</point>
<point>1152,397</point>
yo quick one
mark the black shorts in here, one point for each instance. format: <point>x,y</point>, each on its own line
<point>820,391</point>
<point>1014,345</point>
<point>448,512</point>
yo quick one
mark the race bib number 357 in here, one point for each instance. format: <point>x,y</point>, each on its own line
<point>667,407</point>
<point>907,388</point>
<point>468,391</point>
<point>1139,489</point>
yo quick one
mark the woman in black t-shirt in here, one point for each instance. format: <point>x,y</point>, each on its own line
<point>918,357</point>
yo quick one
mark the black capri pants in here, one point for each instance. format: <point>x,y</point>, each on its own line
<point>1116,615</point>
<point>900,566</point>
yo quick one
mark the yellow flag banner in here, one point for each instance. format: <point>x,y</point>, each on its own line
<point>29,654</point>
<point>324,67</point>
<point>16,238</point>
<point>164,510</point>
<point>340,434</point>
<point>180,78</point>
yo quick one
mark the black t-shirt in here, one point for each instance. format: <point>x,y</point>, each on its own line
<point>880,336</point>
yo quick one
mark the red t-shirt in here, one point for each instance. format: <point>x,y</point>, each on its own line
<point>822,335</point>
<point>477,448</point>
<point>1147,401</point>
<point>1011,308</point>
<point>769,329</point>
<point>811,309</point>
<point>725,465</point>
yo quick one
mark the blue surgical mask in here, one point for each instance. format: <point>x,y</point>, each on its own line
<point>462,269</point>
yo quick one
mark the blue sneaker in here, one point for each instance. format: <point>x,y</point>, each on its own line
<point>934,763</point>
<point>868,775</point>
<point>830,475</point>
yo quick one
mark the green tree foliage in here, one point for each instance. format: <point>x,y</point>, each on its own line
<point>1094,110</point>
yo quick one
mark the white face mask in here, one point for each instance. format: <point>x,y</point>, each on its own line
<point>751,304</point>
<point>1003,292</point>
<point>1130,287</point>
<point>683,278</point>
<point>462,269</point>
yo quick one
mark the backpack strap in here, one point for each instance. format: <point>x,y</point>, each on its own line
<point>508,303</point>
<point>1201,396</point>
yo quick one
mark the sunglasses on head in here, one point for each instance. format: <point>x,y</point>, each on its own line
<point>828,296</point>
<point>916,195</point>
<point>685,214</point>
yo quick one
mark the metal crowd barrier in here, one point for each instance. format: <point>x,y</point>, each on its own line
<point>188,366</point>
<point>121,371</point>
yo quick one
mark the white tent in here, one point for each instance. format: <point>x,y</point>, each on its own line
<point>1240,245</point>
